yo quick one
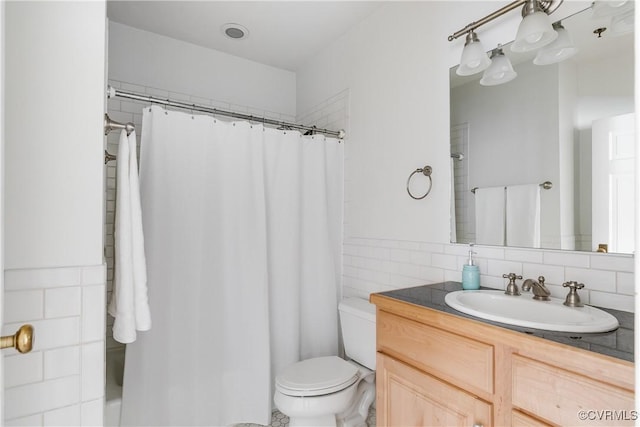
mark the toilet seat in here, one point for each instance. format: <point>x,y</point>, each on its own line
<point>317,376</point>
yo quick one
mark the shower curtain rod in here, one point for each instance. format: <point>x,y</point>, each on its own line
<point>111,92</point>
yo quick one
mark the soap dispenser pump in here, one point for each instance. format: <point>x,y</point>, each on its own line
<point>470,273</point>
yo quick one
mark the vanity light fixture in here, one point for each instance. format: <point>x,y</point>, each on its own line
<point>500,71</point>
<point>474,58</point>
<point>530,8</point>
<point>534,32</point>
<point>558,50</point>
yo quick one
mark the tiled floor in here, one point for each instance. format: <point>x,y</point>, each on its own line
<point>278,419</point>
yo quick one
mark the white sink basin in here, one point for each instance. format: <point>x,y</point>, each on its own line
<point>524,311</point>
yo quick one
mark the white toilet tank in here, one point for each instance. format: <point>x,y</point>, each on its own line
<point>358,323</point>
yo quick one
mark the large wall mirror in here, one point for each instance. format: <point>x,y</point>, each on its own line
<point>569,124</point>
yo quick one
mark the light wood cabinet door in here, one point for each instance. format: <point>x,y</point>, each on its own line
<point>456,359</point>
<point>518,419</point>
<point>566,398</point>
<point>409,397</point>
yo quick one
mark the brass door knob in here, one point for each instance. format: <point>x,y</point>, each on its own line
<point>22,340</point>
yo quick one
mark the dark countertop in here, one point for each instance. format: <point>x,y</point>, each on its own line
<point>618,343</point>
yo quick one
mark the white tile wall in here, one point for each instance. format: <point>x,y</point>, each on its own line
<point>372,265</point>
<point>92,412</point>
<point>62,302</point>
<point>61,382</point>
<point>41,397</point>
<point>465,226</point>
<point>33,420</point>
<point>333,113</point>
<point>93,371</point>
<point>23,305</point>
<point>69,415</point>
<point>62,362</point>
<point>93,321</point>
<point>22,369</point>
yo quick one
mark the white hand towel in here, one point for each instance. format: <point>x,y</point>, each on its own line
<point>490,216</point>
<point>523,215</point>
<point>129,304</point>
<point>141,304</point>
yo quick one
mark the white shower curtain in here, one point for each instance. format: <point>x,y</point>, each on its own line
<point>243,229</point>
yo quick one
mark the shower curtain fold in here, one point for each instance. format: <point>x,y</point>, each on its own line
<point>240,273</point>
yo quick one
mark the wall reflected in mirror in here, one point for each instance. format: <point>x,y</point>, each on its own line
<point>570,123</point>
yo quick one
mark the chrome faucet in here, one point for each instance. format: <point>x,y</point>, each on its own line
<point>540,291</point>
<point>512,288</point>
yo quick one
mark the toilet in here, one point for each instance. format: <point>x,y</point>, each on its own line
<point>330,391</point>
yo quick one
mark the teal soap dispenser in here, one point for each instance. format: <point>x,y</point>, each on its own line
<point>470,273</point>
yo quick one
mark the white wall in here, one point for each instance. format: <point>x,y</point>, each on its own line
<point>54,104</point>
<point>54,276</point>
<point>395,65</point>
<point>388,63</point>
<point>151,60</point>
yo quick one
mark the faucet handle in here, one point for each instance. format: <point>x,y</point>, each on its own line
<point>573,299</point>
<point>512,288</point>
<point>573,285</point>
<point>541,280</point>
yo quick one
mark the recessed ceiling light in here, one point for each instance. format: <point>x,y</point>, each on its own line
<point>235,31</point>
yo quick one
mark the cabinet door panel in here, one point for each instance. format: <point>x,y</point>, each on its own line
<point>454,358</point>
<point>408,397</point>
<point>566,398</point>
<point>523,420</point>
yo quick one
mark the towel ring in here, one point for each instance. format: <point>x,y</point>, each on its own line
<point>426,171</point>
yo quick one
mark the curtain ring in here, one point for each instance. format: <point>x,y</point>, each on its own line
<point>426,171</point>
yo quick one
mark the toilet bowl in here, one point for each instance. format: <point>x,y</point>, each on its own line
<point>330,391</point>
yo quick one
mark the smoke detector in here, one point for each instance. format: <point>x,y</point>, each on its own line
<point>235,31</point>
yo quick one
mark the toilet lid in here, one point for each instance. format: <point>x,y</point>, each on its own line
<point>317,376</point>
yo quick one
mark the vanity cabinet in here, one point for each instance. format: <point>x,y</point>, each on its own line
<point>438,369</point>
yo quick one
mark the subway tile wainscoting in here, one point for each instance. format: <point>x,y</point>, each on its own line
<point>61,381</point>
<point>373,265</point>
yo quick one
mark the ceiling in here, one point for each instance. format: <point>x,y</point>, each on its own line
<point>283,34</point>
